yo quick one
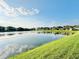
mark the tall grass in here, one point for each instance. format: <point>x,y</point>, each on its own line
<point>64,48</point>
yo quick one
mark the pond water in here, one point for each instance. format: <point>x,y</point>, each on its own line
<point>12,43</point>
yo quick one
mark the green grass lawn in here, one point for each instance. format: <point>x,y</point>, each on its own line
<point>64,48</point>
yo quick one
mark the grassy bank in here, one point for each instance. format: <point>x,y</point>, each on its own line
<point>64,48</point>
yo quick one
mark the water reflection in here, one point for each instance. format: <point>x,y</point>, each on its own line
<point>9,33</point>
<point>62,33</point>
<point>20,33</point>
<point>18,42</point>
<point>11,50</point>
<point>2,34</point>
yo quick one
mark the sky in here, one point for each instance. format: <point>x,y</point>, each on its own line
<point>37,13</point>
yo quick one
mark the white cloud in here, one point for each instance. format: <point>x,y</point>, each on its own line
<point>17,22</point>
<point>24,11</point>
<point>11,11</point>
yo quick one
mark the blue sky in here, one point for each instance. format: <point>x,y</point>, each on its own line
<point>36,13</point>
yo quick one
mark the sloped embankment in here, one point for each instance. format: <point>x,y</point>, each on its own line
<point>64,48</point>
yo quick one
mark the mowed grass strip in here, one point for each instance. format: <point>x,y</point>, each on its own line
<point>64,48</point>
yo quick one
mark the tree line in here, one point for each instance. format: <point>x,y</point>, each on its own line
<point>10,28</point>
<point>66,27</point>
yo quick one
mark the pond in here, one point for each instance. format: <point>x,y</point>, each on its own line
<point>12,43</point>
